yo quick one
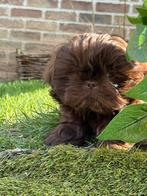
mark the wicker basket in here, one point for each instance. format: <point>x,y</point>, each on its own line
<point>31,66</point>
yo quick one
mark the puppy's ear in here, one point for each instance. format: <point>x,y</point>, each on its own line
<point>144,68</point>
<point>49,70</point>
<point>120,42</point>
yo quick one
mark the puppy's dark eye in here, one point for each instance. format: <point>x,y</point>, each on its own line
<point>87,74</point>
<point>86,71</point>
<point>114,83</point>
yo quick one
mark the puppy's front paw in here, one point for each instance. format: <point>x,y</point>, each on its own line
<point>65,134</point>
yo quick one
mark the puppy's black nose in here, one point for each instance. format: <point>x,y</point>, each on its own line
<point>91,84</point>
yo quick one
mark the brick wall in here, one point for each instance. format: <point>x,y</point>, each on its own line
<point>39,25</point>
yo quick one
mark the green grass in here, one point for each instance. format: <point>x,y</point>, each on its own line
<point>71,171</point>
<point>27,114</point>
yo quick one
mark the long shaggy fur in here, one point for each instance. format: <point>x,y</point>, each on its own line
<point>89,75</point>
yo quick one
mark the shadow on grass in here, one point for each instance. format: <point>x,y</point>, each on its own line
<point>28,132</point>
<point>18,87</point>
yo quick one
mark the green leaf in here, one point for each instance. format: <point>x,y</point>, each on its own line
<point>130,125</point>
<point>142,37</point>
<point>137,46</point>
<point>145,4</point>
<point>144,20</point>
<point>142,11</point>
<point>134,20</point>
<point>139,91</point>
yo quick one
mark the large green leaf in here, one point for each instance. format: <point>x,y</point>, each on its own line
<point>130,125</point>
<point>139,91</point>
<point>137,47</point>
<point>142,11</point>
<point>135,20</point>
<point>142,16</point>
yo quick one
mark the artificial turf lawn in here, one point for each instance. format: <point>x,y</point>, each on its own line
<point>27,113</point>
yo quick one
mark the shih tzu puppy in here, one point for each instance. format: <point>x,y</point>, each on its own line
<point>89,76</point>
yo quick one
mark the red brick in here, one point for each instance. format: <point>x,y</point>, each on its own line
<point>67,16</point>
<point>3,57</point>
<point>102,29</point>
<point>110,7</point>
<point>134,9</point>
<point>76,5</point>
<point>26,13</point>
<point>131,31</point>
<point>3,12</point>
<point>9,45</point>
<point>40,48</point>
<point>45,26</point>
<point>12,61</point>
<point>43,3</point>
<point>8,67</point>
<point>3,34</point>
<point>8,76</point>
<point>119,20</point>
<point>12,2</point>
<point>110,30</point>
<point>3,66</point>
<point>75,28</point>
<point>25,36</point>
<point>10,23</point>
<point>58,38</point>
<point>99,19</point>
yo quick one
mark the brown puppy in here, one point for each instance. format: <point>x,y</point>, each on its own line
<point>89,75</point>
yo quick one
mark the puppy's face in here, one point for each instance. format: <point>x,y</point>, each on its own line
<point>91,90</point>
<point>90,73</point>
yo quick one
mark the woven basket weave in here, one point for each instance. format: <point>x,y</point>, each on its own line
<point>31,66</point>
